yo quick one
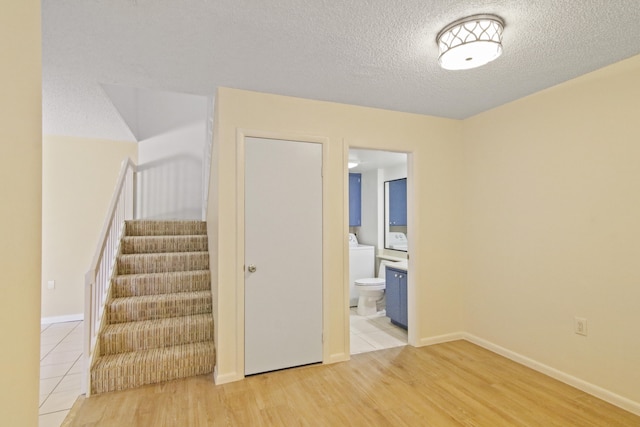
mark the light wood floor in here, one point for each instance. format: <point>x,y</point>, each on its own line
<point>452,384</point>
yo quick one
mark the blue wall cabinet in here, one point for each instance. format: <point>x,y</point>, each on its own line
<point>398,202</point>
<point>396,293</point>
<point>355,200</point>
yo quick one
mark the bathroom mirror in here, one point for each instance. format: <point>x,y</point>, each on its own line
<point>395,214</point>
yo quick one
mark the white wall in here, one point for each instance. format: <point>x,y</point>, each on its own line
<point>170,178</point>
<point>394,172</point>
<point>172,130</point>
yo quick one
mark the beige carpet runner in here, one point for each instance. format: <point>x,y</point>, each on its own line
<point>158,321</point>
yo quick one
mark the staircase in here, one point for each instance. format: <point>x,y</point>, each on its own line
<point>158,323</point>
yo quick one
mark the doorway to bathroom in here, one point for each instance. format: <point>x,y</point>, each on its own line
<point>378,249</point>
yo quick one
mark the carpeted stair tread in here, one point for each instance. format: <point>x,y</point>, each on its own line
<point>164,228</point>
<point>148,307</point>
<point>147,334</point>
<point>133,369</point>
<point>158,322</point>
<point>158,244</point>
<point>161,283</point>
<point>162,262</point>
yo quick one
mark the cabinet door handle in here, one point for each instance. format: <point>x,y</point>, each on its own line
<point>252,268</point>
<point>395,275</point>
<point>401,276</point>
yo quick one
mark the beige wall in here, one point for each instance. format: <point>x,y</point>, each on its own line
<point>552,227</point>
<point>525,216</point>
<point>436,148</point>
<point>20,187</point>
<point>79,176</point>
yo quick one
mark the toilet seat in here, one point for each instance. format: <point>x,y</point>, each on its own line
<point>371,284</point>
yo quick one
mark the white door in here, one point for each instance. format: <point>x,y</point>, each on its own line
<point>283,254</point>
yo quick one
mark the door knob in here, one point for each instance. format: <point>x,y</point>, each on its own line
<point>251,268</point>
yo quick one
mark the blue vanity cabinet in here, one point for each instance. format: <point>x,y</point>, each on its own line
<point>398,202</point>
<point>396,296</point>
<point>355,200</point>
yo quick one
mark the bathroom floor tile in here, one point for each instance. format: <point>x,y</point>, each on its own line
<point>375,332</point>
<point>384,322</point>
<point>359,345</point>
<point>383,339</point>
<point>367,326</point>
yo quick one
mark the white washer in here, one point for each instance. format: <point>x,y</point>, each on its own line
<point>397,241</point>
<point>361,265</point>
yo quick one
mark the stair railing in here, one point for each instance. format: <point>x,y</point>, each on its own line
<point>98,278</point>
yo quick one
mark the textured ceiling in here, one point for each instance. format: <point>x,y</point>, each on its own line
<point>375,53</point>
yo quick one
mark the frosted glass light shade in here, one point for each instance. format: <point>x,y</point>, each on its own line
<point>470,42</point>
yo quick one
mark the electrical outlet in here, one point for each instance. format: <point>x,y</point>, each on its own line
<point>51,284</point>
<point>580,326</point>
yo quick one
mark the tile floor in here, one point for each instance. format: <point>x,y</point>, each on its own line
<point>374,332</point>
<point>60,370</point>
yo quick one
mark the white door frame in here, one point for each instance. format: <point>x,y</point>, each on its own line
<point>241,134</point>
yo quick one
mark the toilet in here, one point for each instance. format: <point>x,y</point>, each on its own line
<point>371,292</point>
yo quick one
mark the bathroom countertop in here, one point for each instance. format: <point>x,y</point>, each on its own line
<point>401,265</point>
<point>390,257</point>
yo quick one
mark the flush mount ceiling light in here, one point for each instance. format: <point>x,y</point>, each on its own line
<point>352,164</point>
<point>470,42</point>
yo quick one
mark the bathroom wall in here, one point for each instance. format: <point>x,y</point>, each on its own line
<point>390,174</point>
<point>372,230</point>
<point>435,145</point>
<point>369,232</point>
<point>394,172</point>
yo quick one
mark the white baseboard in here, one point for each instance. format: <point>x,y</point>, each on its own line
<point>60,319</point>
<point>336,357</point>
<point>229,377</point>
<point>599,392</point>
<point>440,339</point>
